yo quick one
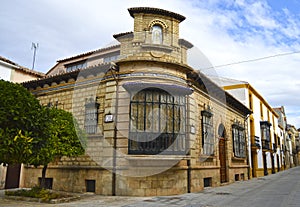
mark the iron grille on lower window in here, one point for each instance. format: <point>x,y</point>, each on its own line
<point>91,117</point>
<point>239,140</point>
<point>157,123</point>
<point>207,132</point>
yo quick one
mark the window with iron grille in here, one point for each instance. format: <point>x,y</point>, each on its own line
<point>239,141</point>
<point>91,117</point>
<point>265,134</point>
<point>207,132</point>
<point>157,123</point>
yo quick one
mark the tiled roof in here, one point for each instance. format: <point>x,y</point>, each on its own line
<point>21,68</point>
<point>90,53</point>
<point>66,76</point>
<point>217,92</point>
<point>150,10</point>
<point>116,36</point>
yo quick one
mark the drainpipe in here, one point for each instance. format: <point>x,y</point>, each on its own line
<point>114,68</point>
<point>188,147</point>
<point>249,139</point>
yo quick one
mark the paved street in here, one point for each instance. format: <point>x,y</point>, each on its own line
<point>281,189</point>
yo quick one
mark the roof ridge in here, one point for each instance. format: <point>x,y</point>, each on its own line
<point>89,53</point>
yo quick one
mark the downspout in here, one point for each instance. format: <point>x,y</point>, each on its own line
<point>188,147</point>
<point>249,140</point>
<point>114,68</point>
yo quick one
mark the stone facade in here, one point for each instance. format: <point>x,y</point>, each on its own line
<point>180,159</point>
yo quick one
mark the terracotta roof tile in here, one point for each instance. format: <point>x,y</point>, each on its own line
<point>21,68</point>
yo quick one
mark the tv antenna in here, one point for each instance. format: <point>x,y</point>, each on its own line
<point>34,47</point>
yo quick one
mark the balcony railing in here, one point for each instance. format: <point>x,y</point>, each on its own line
<point>256,142</point>
<point>265,144</point>
<point>152,143</point>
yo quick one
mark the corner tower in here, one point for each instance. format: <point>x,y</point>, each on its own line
<point>155,37</point>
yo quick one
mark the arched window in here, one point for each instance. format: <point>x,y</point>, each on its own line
<point>157,34</point>
<point>157,123</point>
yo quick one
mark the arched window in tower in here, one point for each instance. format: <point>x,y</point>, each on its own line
<point>157,36</point>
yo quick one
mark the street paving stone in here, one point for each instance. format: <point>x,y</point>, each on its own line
<point>277,190</point>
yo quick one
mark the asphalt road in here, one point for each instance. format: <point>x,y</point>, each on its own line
<point>278,190</point>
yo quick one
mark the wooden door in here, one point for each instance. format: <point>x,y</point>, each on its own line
<point>222,157</point>
<point>12,176</point>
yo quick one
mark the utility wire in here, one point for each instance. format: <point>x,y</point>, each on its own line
<point>252,60</point>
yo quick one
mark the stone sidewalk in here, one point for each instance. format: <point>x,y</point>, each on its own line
<point>280,189</point>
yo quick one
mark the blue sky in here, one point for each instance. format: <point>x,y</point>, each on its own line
<point>224,31</point>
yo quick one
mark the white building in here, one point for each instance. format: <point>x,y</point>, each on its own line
<point>10,71</point>
<point>264,146</point>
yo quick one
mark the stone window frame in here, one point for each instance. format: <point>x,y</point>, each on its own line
<point>91,116</point>
<point>238,140</point>
<point>162,25</point>
<point>168,139</point>
<point>208,139</point>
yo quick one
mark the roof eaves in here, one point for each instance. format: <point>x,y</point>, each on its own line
<point>151,10</point>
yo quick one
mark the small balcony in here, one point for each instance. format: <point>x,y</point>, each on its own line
<point>265,144</point>
<point>256,143</point>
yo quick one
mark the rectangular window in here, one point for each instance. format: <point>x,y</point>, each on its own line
<point>111,57</point>
<point>207,133</point>
<point>48,182</point>
<point>261,111</point>
<point>91,117</point>
<point>90,186</point>
<point>207,182</point>
<point>157,123</point>
<point>76,65</point>
<point>250,101</point>
<point>239,141</point>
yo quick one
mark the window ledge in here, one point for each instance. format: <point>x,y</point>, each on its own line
<point>239,159</point>
<point>155,160</point>
<point>207,158</point>
<point>158,47</point>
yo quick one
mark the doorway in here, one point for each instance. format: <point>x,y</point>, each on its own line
<point>12,176</point>
<point>222,153</point>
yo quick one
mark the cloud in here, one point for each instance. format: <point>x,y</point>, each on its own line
<point>222,31</point>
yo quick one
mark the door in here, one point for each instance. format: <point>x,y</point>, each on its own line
<point>265,163</point>
<point>273,164</point>
<point>278,163</point>
<point>222,157</point>
<point>12,176</point>
<point>254,162</point>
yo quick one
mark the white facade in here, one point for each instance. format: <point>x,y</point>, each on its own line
<point>13,72</point>
<point>262,114</point>
<point>5,71</point>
